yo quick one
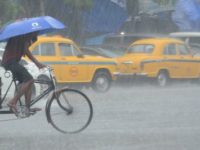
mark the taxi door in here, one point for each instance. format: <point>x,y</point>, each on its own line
<point>188,64</point>
<point>46,53</point>
<point>171,60</point>
<point>73,63</point>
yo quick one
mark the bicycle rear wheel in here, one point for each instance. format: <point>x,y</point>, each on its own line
<point>69,111</point>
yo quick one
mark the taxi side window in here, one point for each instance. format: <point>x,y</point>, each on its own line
<point>65,49</point>
<point>76,51</point>
<point>146,48</point>
<point>68,50</point>
<point>36,50</point>
<point>170,49</point>
<point>136,49</point>
<point>44,49</point>
<point>183,50</point>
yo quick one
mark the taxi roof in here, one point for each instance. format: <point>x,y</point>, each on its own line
<point>55,38</point>
<point>157,40</point>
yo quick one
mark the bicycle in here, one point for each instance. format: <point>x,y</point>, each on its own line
<point>67,110</point>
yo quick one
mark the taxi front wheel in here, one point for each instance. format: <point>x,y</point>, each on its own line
<point>162,78</point>
<point>101,81</point>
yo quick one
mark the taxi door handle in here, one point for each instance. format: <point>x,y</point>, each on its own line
<point>63,58</point>
<point>127,62</point>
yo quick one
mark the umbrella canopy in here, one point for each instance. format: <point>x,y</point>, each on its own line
<point>41,25</point>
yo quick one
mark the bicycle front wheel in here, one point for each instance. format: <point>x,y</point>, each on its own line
<point>69,111</point>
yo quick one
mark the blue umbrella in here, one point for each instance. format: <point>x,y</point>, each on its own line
<point>41,24</point>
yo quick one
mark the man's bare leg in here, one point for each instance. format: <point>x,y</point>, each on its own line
<point>23,89</point>
<point>28,95</point>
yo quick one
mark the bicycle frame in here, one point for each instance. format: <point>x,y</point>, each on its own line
<point>2,100</point>
<point>51,87</point>
<point>64,109</point>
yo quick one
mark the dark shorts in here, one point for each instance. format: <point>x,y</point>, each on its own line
<point>18,71</point>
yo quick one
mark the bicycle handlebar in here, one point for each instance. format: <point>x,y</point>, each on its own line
<point>50,71</point>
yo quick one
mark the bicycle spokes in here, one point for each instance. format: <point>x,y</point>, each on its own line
<point>70,112</point>
<point>65,104</point>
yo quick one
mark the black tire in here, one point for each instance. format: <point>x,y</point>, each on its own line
<point>101,81</point>
<point>69,111</point>
<point>162,79</point>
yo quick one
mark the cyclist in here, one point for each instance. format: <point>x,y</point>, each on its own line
<point>16,48</point>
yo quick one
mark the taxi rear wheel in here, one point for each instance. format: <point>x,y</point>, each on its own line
<point>101,81</point>
<point>162,78</point>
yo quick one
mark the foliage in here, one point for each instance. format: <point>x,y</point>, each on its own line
<point>165,2</point>
<point>31,8</point>
<point>69,11</point>
<point>8,11</point>
<point>132,7</point>
<point>83,4</point>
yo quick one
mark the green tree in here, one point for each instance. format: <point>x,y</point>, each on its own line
<point>55,8</point>
<point>32,8</point>
<point>8,11</point>
<point>79,4</point>
<point>132,7</point>
<point>165,2</point>
<point>77,7</point>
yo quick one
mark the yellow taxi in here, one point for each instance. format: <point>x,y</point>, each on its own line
<point>71,66</point>
<point>161,59</point>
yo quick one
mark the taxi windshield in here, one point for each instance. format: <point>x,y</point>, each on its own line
<point>141,48</point>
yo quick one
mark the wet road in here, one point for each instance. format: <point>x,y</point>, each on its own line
<point>133,118</point>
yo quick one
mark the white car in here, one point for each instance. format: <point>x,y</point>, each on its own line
<point>6,77</point>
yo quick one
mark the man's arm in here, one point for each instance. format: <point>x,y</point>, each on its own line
<point>33,59</point>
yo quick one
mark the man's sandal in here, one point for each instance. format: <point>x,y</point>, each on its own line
<point>13,109</point>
